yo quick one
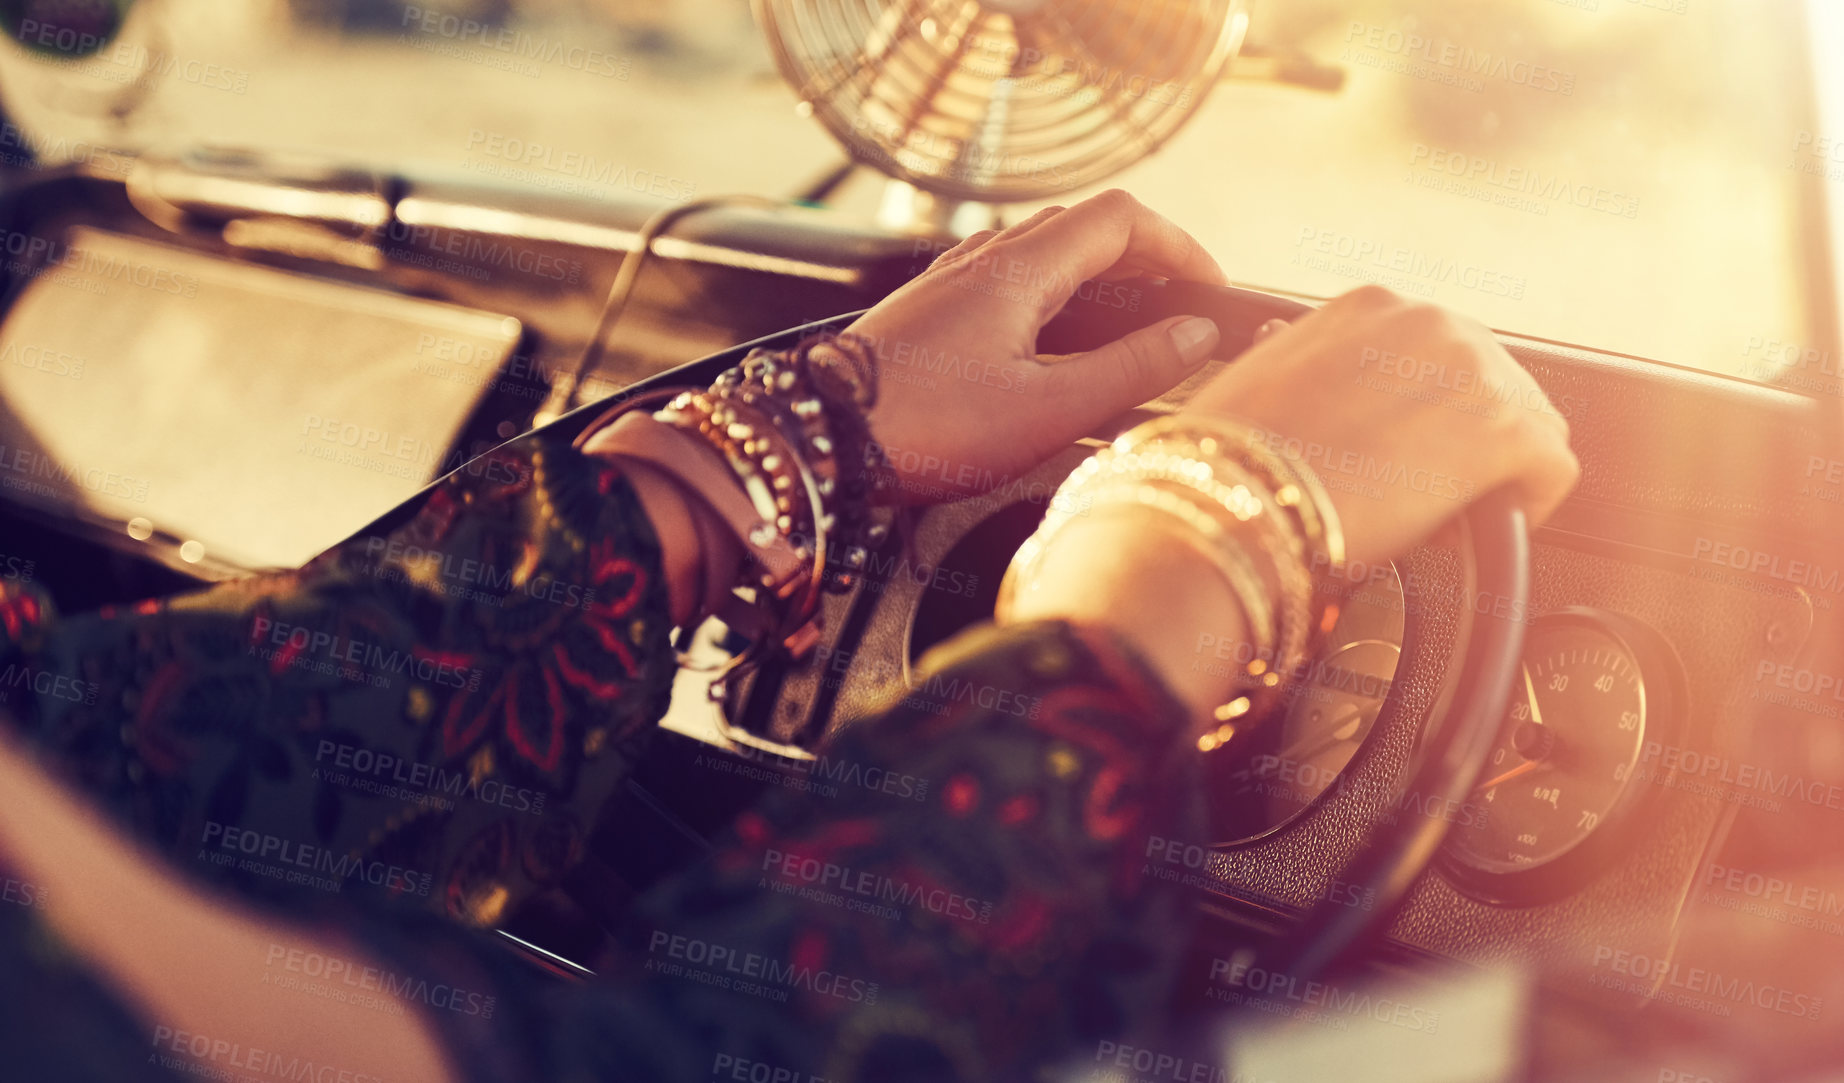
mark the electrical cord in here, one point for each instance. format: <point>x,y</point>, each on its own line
<point>565,391</point>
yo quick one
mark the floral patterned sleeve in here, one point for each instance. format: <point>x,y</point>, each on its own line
<point>987,916</point>
<point>431,715</point>
<point>990,928</point>
<point>356,736</point>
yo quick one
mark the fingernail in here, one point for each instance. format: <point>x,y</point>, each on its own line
<point>1269,328</point>
<point>1194,338</point>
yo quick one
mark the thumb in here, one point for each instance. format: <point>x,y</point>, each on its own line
<point>1140,367</point>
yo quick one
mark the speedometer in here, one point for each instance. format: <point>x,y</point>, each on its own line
<point>1270,774</point>
<point>1561,782</point>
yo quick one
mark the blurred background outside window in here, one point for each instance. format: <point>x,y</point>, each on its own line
<point>1642,176</point>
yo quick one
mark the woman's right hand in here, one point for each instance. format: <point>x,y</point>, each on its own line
<point>1405,411</point>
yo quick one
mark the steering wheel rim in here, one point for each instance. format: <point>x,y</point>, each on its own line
<point>1495,549</point>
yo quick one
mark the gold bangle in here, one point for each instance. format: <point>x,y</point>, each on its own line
<point>1270,590</point>
<point>1186,521</point>
<point>1294,495</point>
<point>1263,519</point>
<point>1296,489</point>
<point>1245,580</point>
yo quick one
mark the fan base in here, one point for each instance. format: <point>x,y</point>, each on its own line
<point>908,209</point>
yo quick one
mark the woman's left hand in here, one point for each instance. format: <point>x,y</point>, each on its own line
<point>965,403</point>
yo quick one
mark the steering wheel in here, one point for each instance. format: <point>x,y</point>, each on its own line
<point>1495,553</point>
<point>1495,564</point>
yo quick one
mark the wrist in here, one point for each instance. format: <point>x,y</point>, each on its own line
<point>693,555</point>
<point>1164,597</point>
<point>675,479</point>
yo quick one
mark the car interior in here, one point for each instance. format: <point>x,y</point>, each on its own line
<point>1559,803</point>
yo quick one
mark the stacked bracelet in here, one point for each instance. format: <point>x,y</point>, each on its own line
<point>790,427</point>
<point>1261,519</point>
<point>819,395</point>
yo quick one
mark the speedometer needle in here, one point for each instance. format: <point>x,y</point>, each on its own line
<point>1341,730</point>
<point>1516,772</point>
<point>1530,689</point>
<point>1531,761</point>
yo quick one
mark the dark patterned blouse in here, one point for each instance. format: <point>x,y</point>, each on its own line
<point>405,740</point>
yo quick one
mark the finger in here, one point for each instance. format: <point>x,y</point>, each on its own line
<point>1269,330</point>
<point>1549,481</point>
<point>1539,402</point>
<point>1517,386</point>
<point>979,239</point>
<point>1089,238</point>
<point>1019,229</point>
<point>1092,387</point>
<point>972,243</point>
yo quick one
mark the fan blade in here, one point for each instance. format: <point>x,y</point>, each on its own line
<point>1062,39</point>
<point>1119,40</point>
<point>969,19</point>
<point>895,24</point>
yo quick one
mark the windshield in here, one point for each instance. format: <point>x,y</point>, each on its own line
<point>1640,176</point>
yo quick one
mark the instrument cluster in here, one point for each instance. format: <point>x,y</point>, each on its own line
<point>1561,789</point>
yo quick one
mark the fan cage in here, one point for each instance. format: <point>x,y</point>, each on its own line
<point>971,101</point>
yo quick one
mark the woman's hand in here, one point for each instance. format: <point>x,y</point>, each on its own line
<point>965,403</point>
<point>1406,412</point>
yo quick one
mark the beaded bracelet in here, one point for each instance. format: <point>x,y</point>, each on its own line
<point>791,428</point>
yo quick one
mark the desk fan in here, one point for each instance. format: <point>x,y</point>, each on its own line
<point>1001,101</point>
